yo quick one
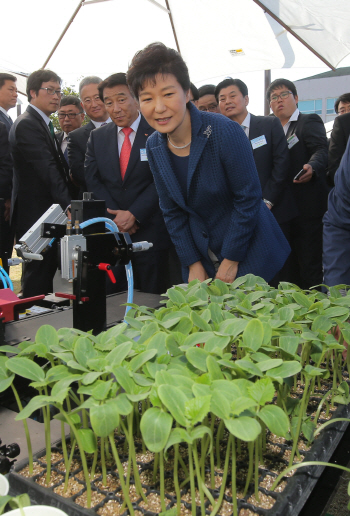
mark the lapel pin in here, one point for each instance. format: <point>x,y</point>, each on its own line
<point>208,131</point>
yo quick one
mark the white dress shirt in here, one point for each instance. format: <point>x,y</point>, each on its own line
<point>134,126</point>
<point>246,125</point>
<point>64,142</point>
<point>98,124</point>
<point>293,118</point>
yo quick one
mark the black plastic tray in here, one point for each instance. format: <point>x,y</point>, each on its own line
<point>288,503</point>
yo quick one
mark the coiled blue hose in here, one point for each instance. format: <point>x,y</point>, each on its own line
<point>112,226</point>
<point>6,277</point>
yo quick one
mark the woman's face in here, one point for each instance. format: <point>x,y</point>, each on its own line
<point>163,103</point>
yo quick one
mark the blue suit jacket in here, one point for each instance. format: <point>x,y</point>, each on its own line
<point>336,228</point>
<point>224,209</point>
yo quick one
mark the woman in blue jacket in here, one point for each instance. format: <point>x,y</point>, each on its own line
<point>205,175</point>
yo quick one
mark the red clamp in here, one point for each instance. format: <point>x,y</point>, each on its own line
<point>71,296</point>
<point>106,267</point>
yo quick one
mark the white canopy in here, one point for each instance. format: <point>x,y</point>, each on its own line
<point>216,38</point>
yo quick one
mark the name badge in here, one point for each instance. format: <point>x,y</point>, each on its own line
<point>292,140</point>
<point>258,142</point>
<point>143,155</point>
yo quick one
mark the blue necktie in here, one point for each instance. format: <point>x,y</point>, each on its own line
<point>65,154</point>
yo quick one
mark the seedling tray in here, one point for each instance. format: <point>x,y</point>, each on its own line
<point>289,502</point>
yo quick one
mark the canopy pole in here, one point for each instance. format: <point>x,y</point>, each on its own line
<point>267,84</point>
<point>173,26</point>
<point>81,3</point>
<point>260,4</point>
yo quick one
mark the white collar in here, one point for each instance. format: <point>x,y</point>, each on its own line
<point>98,124</point>
<point>294,116</point>
<point>4,111</point>
<point>42,114</point>
<point>134,126</point>
<point>246,121</point>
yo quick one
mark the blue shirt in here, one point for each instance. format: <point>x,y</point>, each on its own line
<point>180,164</point>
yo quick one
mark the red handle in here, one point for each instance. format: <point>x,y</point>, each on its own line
<point>106,267</point>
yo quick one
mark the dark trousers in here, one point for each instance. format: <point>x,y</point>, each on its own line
<point>6,239</point>
<point>303,267</point>
<point>306,256</point>
<point>336,252</point>
<point>154,272</point>
<point>38,275</point>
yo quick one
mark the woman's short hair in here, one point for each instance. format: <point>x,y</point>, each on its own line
<point>156,59</point>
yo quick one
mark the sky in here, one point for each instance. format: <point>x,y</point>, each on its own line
<point>95,43</point>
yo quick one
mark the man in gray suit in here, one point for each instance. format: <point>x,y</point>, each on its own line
<point>8,98</point>
<point>77,139</point>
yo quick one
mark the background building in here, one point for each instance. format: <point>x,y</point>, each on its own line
<point>318,93</point>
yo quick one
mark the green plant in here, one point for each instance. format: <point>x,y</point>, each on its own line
<point>216,360</point>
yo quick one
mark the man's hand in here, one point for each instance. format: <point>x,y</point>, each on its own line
<point>7,209</point>
<point>306,177</point>
<point>124,219</point>
<point>197,271</point>
<point>227,271</point>
<point>133,229</point>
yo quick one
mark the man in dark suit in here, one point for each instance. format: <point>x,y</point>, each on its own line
<point>337,145</point>
<point>70,117</point>
<point>117,170</point>
<point>307,143</point>
<point>41,174</point>
<point>6,243</point>
<point>8,98</point>
<point>77,140</point>
<point>206,99</point>
<point>270,152</point>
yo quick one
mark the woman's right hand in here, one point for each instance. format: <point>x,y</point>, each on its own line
<point>197,271</point>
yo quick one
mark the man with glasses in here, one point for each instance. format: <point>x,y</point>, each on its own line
<point>340,135</point>
<point>207,100</point>
<point>307,143</point>
<point>41,174</point>
<point>70,117</point>
<point>77,140</point>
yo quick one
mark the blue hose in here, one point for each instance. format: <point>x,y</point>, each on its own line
<point>3,280</point>
<point>7,278</point>
<point>112,226</point>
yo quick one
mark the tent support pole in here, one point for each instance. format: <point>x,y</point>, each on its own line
<point>173,26</point>
<point>81,3</point>
<point>260,4</point>
<point>267,84</point>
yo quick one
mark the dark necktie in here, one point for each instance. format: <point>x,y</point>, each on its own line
<point>52,131</point>
<point>10,120</point>
<point>104,123</point>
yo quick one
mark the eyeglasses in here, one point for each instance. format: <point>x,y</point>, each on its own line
<point>211,107</point>
<point>283,95</point>
<point>52,91</point>
<point>62,116</point>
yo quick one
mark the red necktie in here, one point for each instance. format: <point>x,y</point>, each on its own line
<point>125,152</point>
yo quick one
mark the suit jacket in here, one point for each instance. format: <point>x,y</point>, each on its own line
<point>40,171</point>
<point>59,137</point>
<point>311,197</point>
<point>137,193</point>
<point>5,164</point>
<point>224,210</point>
<point>5,120</point>
<point>337,145</point>
<point>77,142</point>
<point>272,164</point>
